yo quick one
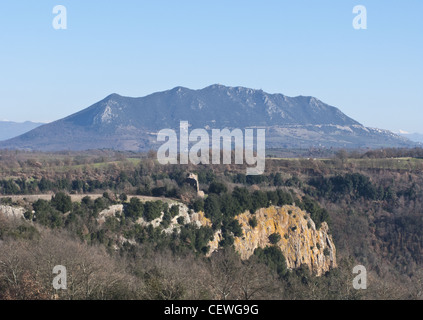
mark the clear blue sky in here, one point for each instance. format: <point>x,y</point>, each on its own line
<point>135,48</point>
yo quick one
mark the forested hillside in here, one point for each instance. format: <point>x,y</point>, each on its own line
<point>153,249</point>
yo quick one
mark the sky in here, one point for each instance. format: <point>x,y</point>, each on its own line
<point>135,48</point>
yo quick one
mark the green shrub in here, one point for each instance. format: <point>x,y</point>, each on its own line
<point>253,222</point>
<point>274,238</point>
<point>134,209</point>
<point>198,205</point>
<point>174,211</point>
<point>235,228</point>
<point>273,258</point>
<point>217,188</point>
<point>152,210</point>
<point>62,202</point>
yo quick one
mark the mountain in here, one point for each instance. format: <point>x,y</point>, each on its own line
<point>416,137</point>
<point>125,123</point>
<point>9,129</point>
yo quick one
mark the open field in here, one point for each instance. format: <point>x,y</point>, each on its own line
<point>388,164</point>
<point>40,166</point>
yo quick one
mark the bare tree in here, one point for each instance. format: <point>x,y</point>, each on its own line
<point>168,277</point>
<point>224,268</point>
<point>257,281</point>
<point>91,272</point>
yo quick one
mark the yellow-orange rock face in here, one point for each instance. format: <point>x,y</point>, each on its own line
<point>300,242</point>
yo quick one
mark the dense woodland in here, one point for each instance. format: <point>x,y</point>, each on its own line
<point>372,201</point>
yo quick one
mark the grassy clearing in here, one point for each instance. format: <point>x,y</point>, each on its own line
<point>386,163</point>
<point>99,165</point>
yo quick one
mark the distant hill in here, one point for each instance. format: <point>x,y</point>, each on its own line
<point>416,137</point>
<point>9,129</point>
<point>124,123</point>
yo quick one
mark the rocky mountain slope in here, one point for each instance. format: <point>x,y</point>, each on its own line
<point>124,123</point>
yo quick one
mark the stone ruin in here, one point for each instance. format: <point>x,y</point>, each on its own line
<point>192,180</point>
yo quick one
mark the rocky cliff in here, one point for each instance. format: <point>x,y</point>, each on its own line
<point>301,243</point>
<point>12,212</point>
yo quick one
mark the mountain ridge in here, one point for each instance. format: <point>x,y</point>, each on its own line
<point>130,123</point>
<point>11,129</point>
<point>416,137</point>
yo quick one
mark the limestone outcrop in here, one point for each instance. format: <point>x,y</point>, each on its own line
<point>12,212</point>
<point>109,212</point>
<point>301,243</point>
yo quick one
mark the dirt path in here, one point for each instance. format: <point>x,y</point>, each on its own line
<point>78,197</point>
